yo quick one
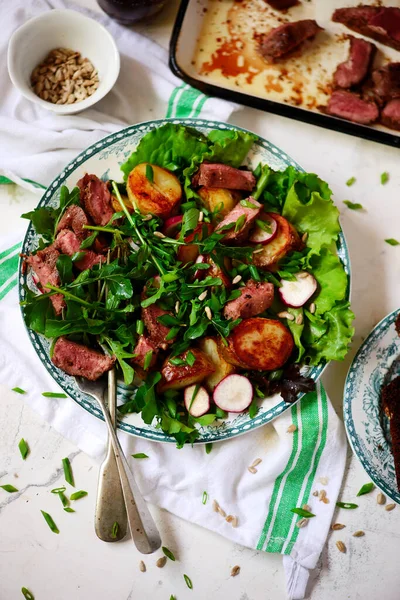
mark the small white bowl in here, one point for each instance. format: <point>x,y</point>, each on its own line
<point>31,43</point>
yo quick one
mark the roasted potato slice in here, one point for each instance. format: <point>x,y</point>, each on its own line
<point>159,197</point>
<point>210,347</point>
<point>261,344</point>
<point>176,377</point>
<point>229,355</point>
<point>215,197</point>
<point>286,240</point>
<point>116,205</point>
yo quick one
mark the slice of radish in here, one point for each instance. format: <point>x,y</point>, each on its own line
<point>200,404</point>
<point>172,226</point>
<point>234,393</point>
<point>260,235</point>
<point>296,293</point>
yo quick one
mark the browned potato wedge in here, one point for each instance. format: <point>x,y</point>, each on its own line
<point>209,346</point>
<point>286,240</point>
<point>229,355</point>
<point>262,344</point>
<point>176,377</point>
<point>213,198</point>
<point>160,197</point>
<point>116,205</point>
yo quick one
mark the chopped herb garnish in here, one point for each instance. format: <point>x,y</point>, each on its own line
<point>384,177</point>
<point>68,509</point>
<point>115,530</point>
<point>149,173</point>
<point>168,553</point>
<point>353,205</point>
<point>54,395</point>
<point>351,181</point>
<point>139,327</point>
<point>50,522</point>
<point>188,582</point>
<point>69,478</point>
<point>247,204</point>
<point>366,489</point>
<point>302,513</point>
<point>59,490</point>
<point>264,225</point>
<point>392,242</point>
<point>205,498</point>
<point>140,455</point>
<point>19,391</point>
<point>190,358</point>
<point>78,495</point>
<point>208,447</point>
<point>240,222</point>
<point>9,488</point>
<point>346,505</point>
<point>23,448</point>
<point>147,360</point>
<point>172,597</point>
<point>27,594</point>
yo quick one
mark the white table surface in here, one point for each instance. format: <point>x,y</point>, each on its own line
<point>76,565</point>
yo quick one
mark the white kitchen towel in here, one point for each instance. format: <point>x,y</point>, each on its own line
<point>36,144</point>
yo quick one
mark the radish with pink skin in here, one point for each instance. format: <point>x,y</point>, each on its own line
<point>197,404</point>
<point>172,226</point>
<point>234,393</point>
<point>264,235</point>
<point>296,293</point>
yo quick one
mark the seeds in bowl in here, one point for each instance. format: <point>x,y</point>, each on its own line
<point>64,77</point>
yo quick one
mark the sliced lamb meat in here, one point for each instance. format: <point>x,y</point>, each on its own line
<point>390,116</point>
<point>67,242</point>
<point>256,297</point>
<point>143,346</point>
<point>355,68</point>
<point>237,237</point>
<point>386,82</point>
<point>287,37</point>
<point>223,176</point>
<point>351,107</point>
<point>156,330</point>
<point>74,218</point>
<point>96,199</point>
<point>282,4</point>
<point>44,264</point>
<point>79,360</point>
<point>377,22</point>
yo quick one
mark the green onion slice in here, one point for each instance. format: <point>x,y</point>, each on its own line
<point>188,582</point>
<point>23,448</point>
<point>78,495</point>
<point>168,553</point>
<point>50,522</point>
<point>69,478</point>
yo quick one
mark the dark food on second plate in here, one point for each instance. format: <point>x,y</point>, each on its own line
<point>390,396</point>
<point>355,68</point>
<point>286,38</point>
<point>377,22</point>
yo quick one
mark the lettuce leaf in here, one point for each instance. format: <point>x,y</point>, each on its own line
<point>334,343</point>
<point>328,270</point>
<point>297,331</point>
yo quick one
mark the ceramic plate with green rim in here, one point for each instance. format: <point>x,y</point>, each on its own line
<point>104,160</point>
<point>376,363</point>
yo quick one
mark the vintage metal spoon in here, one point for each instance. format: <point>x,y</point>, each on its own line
<point>141,525</point>
<point>110,505</point>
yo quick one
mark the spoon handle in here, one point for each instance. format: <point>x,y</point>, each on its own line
<point>110,504</point>
<point>141,525</point>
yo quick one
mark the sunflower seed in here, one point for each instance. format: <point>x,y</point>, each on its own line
<point>177,305</point>
<point>316,493</point>
<point>341,547</point>
<point>221,512</point>
<point>208,312</point>
<point>338,526</point>
<point>235,522</point>
<point>257,251</point>
<point>312,308</point>
<point>147,217</point>
<point>236,279</point>
<point>389,507</point>
<point>161,562</point>
<point>235,571</point>
<point>322,495</point>
<point>252,470</point>
<point>229,519</point>
<point>358,533</point>
<point>201,217</point>
<point>203,295</point>
<point>159,234</point>
<point>306,507</point>
<point>304,237</point>
<point>286,315</point>
<point>142,567</point>
<point>215,506</point>
<point>324,480</point>
<point>302,523</point>
<point>299,319</point>
<point>302,275</point>
<point>291,428</point>
<point>381,498</point>
<point>256,462</point>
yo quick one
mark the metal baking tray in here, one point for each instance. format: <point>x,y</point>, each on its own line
<point>212,49</point>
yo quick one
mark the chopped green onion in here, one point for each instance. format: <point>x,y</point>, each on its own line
<point>366,489</point>
<point>275,375</point>
<point>302,513</point>
<point>172,597</point>
<point>50,522</point>
<point>78,495</point>
<point>190,358</point>
<point>240,222</point>
<point>173,332</point>
<point>114,531</point>
<point>139,327</point>
<point>168,553</point>
<point>208,447</point>
<point>384,177</point>
<point>351,181</point>
<point>247,204</point>
<point>264,225</point>
<point>220,414</point>
<point>68,509</point>
<point>254,273</point>
<point>177,362</point>
<point>69,478</point>
<point>147,359</point>
<point>353,205</point>
<point>19,391</point>
<point>346,505</point>
<point>392,242</point>
<point>188,582</point>
<point>9,488</point>
<point>59,490</point>
<point>253,409</point>
<point>54,395</point>
<point>27,594</point>
<point>23,448</point>
<point>205,498</point>
<point>140,455</point>
<point>149,173</point>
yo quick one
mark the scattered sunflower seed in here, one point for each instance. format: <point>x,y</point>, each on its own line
<point>221,512</point>
<point>312,308</point>
<point>299,319</point>
<point>291,428</point>
<point>235,522</point>
<point>358,533</point>
<point>142,567</point>
<point>322,495</point>
<point>147,217</point>
<point>306,507</point>
<point>208,312</point>
<point>257,251</point>
<point>235,571</point>
<point>286,315</point>
<point>256,462</point>
<point>324,480</point>
<point>337,526</point>
<point>229,519</point>
<point>381,498</point>
<point>215,506</point>
<point>252,470</point>
<point>389,507</point>
<point>304,237</point>
<point>302,523</point>
<point>203,295</point>
<point>316,493</point>
<point>177,305</point>
<point>341,547</point>
<point>236,279</point>
<point>159,234</point>
<point>161,562</point>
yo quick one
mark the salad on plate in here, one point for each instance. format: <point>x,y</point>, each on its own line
<point>210,284</point>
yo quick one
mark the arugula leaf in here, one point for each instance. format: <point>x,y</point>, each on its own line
<point>118,350</point>
<point>64,268</point>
